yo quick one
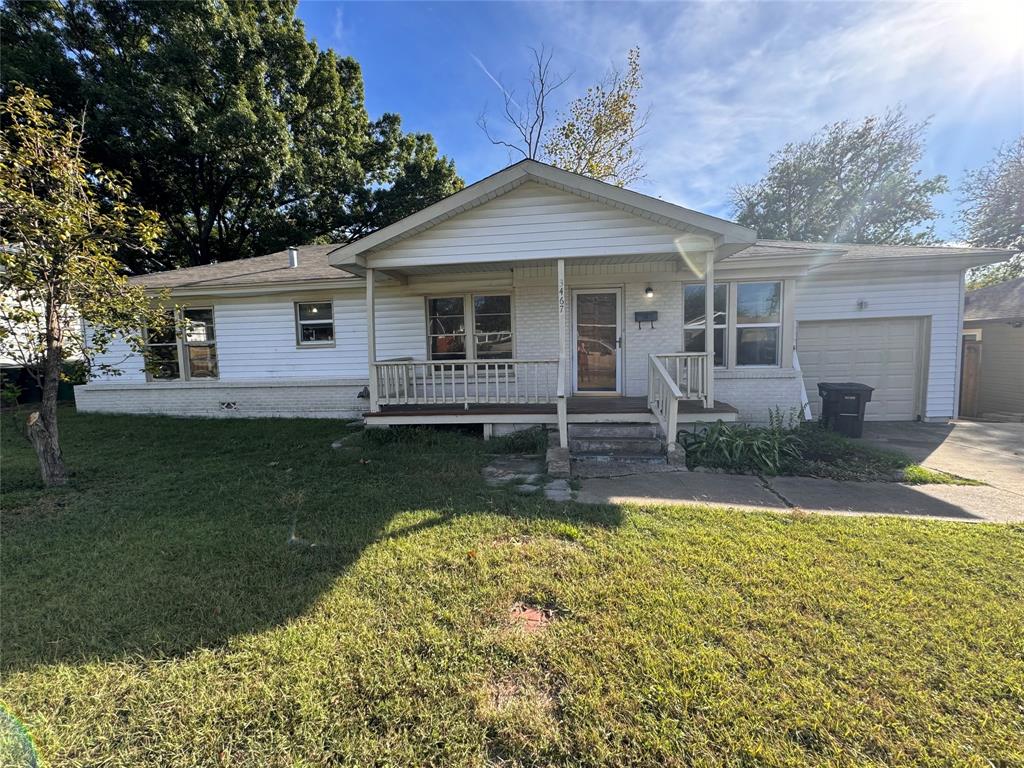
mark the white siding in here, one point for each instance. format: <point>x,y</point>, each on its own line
<point>256,339</point>
<point>1002,370</point>
<point>935,297</point>
<point>119,356</point>
<point>401,326</point>
<point>532,221</point>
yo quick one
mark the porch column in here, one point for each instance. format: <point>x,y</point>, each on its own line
<point>563,357</point>
<point>709,328</point>
<point>371,339</point>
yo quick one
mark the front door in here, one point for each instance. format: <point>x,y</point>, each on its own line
<point>597,335</point>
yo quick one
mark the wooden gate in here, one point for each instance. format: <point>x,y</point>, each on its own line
<point>970,371</point>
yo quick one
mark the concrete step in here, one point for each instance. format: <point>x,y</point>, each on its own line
<point>616,446</point>
<point>625,429</point>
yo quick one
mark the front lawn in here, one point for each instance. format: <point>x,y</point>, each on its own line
<point>159,612</point>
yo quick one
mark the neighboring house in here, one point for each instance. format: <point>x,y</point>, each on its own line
<point>574,300</point>
<point>993,370</point>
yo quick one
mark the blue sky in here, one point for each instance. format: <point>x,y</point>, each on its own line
<point>727,83</point>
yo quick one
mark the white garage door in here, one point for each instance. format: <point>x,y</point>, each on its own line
<point>884,354</point>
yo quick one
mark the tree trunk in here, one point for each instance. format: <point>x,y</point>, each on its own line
<point>42,424</point>
<point>47,445</point>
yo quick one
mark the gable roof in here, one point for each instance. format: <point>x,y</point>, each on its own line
<point>731,236</point>
<point>1004,301</point>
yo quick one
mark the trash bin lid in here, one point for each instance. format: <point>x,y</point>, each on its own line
<point>845,386</point>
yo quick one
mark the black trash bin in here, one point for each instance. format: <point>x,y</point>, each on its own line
<point>842,406</point>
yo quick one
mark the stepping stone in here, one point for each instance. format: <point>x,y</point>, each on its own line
<point>558,490</point>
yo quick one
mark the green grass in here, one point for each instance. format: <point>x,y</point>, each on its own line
<point>154,614</point>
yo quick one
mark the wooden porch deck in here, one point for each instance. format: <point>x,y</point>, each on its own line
<point>582,408</point>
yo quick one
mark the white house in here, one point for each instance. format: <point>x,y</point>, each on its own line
<point>540,296</point>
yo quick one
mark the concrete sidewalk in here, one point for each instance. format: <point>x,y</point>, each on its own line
<point>948,502</point>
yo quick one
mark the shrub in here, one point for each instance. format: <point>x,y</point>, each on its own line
<point>769,450</point>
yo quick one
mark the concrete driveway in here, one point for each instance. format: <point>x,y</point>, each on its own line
<point>985,451</point>
<point>991,453</point>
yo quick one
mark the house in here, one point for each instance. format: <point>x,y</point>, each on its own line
<point>993,352</point>
<point>541,296</point>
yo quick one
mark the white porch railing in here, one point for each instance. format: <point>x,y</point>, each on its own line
<point>466,382</point>
<point>674,377</point>
<point>690,371</point>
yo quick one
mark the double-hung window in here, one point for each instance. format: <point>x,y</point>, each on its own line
<point>187,348</point>
<point>693,320</point>
<point>758,323</point>
<point>470,327</point>
<point>314,323</point>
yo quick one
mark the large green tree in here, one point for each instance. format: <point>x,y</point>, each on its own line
<point>61,222</point>
<point>239,131</point>
<point>851,182</point>
<point>992,213</point>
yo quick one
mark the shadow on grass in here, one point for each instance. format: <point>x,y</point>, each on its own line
<point>175,533</point>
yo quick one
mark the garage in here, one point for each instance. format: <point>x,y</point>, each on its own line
<point>887,354</point>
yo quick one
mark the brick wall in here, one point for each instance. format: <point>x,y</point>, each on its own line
<point>755,392</point>
<point>314,398</point>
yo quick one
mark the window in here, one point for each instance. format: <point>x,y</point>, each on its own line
<point>490,320</point>
<point>187,349</point>
<point>314,323</point>
<point>758,323</point>
<point>693,320</point>
<point>446,328</point>
<point>492,327</point>
<point>163,351</point>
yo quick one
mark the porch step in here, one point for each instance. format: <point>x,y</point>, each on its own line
<point>616,446</point>
<point>633,441</point>
<point>612,430</point>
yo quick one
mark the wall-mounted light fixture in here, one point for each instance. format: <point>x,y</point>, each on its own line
<point>649,292</point>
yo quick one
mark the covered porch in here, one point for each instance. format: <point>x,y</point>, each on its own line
<point>544,390</point>
<point>574,341</point>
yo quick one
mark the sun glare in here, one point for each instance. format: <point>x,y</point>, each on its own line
<point>994,29</point>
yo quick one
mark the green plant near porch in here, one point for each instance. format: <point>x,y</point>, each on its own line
<point>790,447</point>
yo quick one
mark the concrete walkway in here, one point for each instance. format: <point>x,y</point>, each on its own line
<point>949,502</point>
<point>989,452</point>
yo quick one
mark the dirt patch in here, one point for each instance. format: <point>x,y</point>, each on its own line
<point>516,691</point>
<point>511,541</point>
<point>531,618</point>
<point>521,710</point>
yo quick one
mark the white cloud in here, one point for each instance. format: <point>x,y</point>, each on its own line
<point>729,83</point>
<point>338,28</point>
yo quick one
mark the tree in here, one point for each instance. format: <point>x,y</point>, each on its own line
<point>61,221</point>
<point>855,183</point>
<point>598,133</point>
<point>527,120</point>
<point>992,212</point>
<point>227,121</point>
<point>595,135</point>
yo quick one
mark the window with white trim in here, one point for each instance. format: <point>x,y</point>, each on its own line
<point>314,323</point>
<point>187,349</point>
<point>488,315</point>
<point>758,323</point>
<point>693,320</point>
